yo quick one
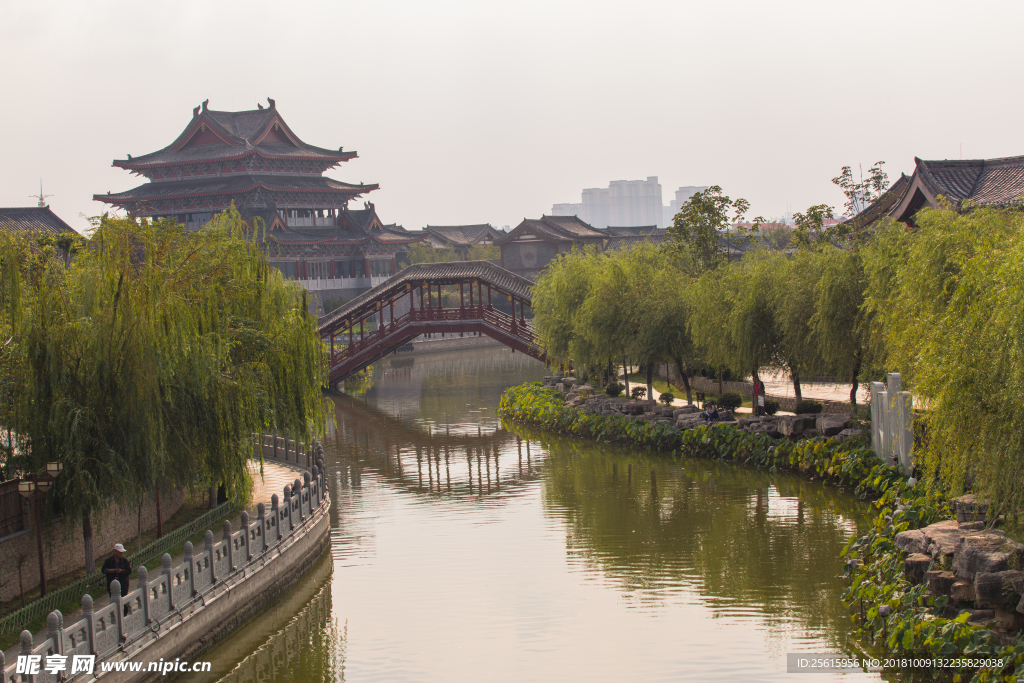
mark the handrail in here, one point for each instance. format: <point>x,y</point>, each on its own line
<point>164,594</point>
<point>24,616</point>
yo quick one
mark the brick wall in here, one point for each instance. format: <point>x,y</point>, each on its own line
<point>63,548</point>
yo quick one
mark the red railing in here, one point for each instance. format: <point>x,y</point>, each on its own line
<point>363,349</point>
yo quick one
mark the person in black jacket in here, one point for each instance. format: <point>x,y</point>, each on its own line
<point>117,568</point>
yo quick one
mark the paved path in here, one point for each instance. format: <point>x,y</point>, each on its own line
<point>275,476</point>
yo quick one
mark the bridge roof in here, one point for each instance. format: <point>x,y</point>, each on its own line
<point>417,274</point>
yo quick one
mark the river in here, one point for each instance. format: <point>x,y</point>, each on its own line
<point>464,550</point>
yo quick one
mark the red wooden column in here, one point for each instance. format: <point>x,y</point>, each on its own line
<point>489,306</point>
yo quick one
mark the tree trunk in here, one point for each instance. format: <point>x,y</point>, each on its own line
<point>213,490</point>
<point>90,558</point>
<point>650,384</point>
<point>755,407</point>
<point>797,391</point>
<point>159,516</point>
<point>625,375</point>
<point>139,544</point>
<point>610,374</point>
<point>720,382</point>
<point>686,382</point>
<point>853,381</point>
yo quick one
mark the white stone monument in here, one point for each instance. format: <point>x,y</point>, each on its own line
<point>892,422</point>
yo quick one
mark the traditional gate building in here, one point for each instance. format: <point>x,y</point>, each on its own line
<point>275,180</point>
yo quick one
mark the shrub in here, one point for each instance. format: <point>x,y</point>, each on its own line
<point>771,405</point>
<point>614,389</point>
<point>730,400</point>
<point>667,398</point>
<point>808,405</point>
<point>638,392</point>
<point>585,393</point>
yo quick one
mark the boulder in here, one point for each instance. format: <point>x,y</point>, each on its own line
<point>970,509</point>
<point>986,553</point>
<point>962,591</point>
<point>769,427</point>
<point>915,566</point>
<point>940,582</point>
<point>972,526</point>
<point>912,542</point>
<point>569,381</point>
<point>585,387</point>
<point>849,433</point>
<point>830,424</point>
<point>943,538</point>
<point>810,433</point>
<point>1008,618</point>
<point>794,425</point>
<point>561,387</point>
<point>635,409</point>
<point>685,410</point>
<point>998,588</point>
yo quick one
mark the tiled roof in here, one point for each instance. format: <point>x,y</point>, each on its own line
<point>557,228</point>
<point>572,225</point>
<point>622,238</point>
<point>463,235</point>
<point>983,181</point>
<point>33,218</point>
<point>495,276</point>
<point>240,128</point>
<point>232,184</point>
<point>881,206</point>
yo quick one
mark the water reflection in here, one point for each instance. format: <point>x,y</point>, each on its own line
<point>468,550</point>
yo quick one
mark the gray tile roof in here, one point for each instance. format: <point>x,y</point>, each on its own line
<point>463,235</point>
<point>232,184</point>
<point>983,181</point>
<point>33,218</point>
<point>240,128</point>
<point>487,272</point>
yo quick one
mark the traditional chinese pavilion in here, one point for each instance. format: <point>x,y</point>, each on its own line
<point>253,158</point>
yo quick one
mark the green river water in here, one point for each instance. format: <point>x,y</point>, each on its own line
<point>465,550</point>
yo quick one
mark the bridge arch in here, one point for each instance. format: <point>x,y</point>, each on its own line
<point>416,293</point>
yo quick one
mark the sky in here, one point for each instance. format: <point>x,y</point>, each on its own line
<point>489,112</point>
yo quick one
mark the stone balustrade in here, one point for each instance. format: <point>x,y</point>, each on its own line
<point>131,623</point>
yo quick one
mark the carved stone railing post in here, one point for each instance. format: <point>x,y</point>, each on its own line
<point>261,514</point>
<point>227,544</point>
<point>53,631</point>
<point>90,626</point>
<point>26,650</point>
<point>288,506</point>
<point>118,599</point>
<point>275,510</point>
<point>297,486</point>
<point>165,569</point>
<point>314,497</point>
<point>245,527</point>
<point>143,574</point>
<point>209,555</point>
<point>190,564</point>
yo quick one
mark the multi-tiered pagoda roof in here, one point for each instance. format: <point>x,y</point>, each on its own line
<point>250,157</point>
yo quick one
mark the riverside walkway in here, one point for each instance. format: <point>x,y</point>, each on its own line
<point>276,475</point>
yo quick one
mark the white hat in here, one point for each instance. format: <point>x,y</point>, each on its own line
<point>118,547</point>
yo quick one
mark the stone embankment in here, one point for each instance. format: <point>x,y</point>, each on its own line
<point>977,567</point>
<point>582,397</point>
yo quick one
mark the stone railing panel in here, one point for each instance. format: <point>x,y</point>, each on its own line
<point>222,559</point>
<point>134,617</point>
<point>108,630</point>
<point>75,638</point>
<point>181,580</point>
<point>159,597</point>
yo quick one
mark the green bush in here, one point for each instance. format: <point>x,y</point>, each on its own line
<point>771,405</point>
<point>808,405</point>
<point>638,392</point>
<point>667,398</point>
<point>614,389</point>
<point>730,400</point>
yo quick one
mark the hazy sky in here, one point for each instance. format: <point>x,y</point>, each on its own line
<point>469,112</point>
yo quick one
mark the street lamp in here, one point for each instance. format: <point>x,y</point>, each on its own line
<point>34,489</point>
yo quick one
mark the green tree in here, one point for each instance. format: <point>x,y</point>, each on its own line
<point>841,323</point>
<point>154,358</point>
<point>698,228</point>
<point>793,292</point>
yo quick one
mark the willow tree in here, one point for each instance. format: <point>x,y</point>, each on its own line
<point>155,357</point>
<point>794,299</point>
<point>952,314</point>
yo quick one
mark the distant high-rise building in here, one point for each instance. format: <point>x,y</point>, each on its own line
<point>623,203</point>
<point>626,203</point>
